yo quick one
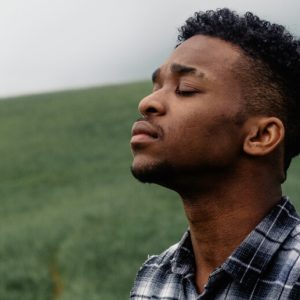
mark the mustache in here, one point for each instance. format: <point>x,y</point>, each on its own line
<point>157,127</point>
<point>142,119</point>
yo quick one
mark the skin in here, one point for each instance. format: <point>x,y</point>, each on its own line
<point>222,158</point>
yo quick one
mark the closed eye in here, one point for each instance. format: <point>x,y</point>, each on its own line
<point>186,93</point>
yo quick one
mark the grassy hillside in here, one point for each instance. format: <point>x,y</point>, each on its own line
<point>74,223</point>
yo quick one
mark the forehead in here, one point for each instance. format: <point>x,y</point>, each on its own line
<point>213,56</point>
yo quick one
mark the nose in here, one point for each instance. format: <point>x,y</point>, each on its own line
<point>152,105</point>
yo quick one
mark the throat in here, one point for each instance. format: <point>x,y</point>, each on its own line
<point>218,226</point>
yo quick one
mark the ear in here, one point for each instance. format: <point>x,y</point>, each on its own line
<point>264,134</point>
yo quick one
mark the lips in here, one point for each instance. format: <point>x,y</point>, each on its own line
<point>142,132</point>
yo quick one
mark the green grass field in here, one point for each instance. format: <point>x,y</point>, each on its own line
<point>74,224</point>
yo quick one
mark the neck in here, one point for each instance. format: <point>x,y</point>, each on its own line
<point>221,217</point>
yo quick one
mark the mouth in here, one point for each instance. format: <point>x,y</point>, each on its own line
<point>143,132</point>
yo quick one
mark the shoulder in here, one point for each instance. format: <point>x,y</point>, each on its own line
<point>282,277</point>
<point>165,257</point>
<point>288,265</point>
<point>291,245</point>
<point>157,262</point>
<point>153,270</point>
<point>293,256</point>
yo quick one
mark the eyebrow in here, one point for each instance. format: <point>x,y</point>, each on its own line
<point>179,70</point>
<point>184,70</point>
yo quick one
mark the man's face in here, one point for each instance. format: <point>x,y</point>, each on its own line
<point>192,121</point>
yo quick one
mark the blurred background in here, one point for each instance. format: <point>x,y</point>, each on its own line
<point>74,223</point>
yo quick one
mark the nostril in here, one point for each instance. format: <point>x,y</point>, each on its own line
<point>151,110</point>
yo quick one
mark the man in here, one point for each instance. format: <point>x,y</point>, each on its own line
<point>220,128</point>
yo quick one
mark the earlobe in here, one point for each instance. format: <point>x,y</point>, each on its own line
<point>264,134</point>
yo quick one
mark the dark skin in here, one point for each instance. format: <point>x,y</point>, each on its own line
<point>228,164</point>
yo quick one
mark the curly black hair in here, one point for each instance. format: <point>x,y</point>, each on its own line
<point>273,86</point>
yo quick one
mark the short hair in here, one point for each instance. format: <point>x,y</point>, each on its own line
<point>273,65</point>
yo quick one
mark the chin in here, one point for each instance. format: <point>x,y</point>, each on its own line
<point>160,173</point>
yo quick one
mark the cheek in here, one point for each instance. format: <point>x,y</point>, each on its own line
<point>186,137</point>
<point>213,139</point>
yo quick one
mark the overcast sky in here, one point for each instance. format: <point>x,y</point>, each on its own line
<point>58,44</point>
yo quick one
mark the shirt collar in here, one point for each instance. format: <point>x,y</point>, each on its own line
<point>252,257</point>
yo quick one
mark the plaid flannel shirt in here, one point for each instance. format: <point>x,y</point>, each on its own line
<point>265,266</point>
